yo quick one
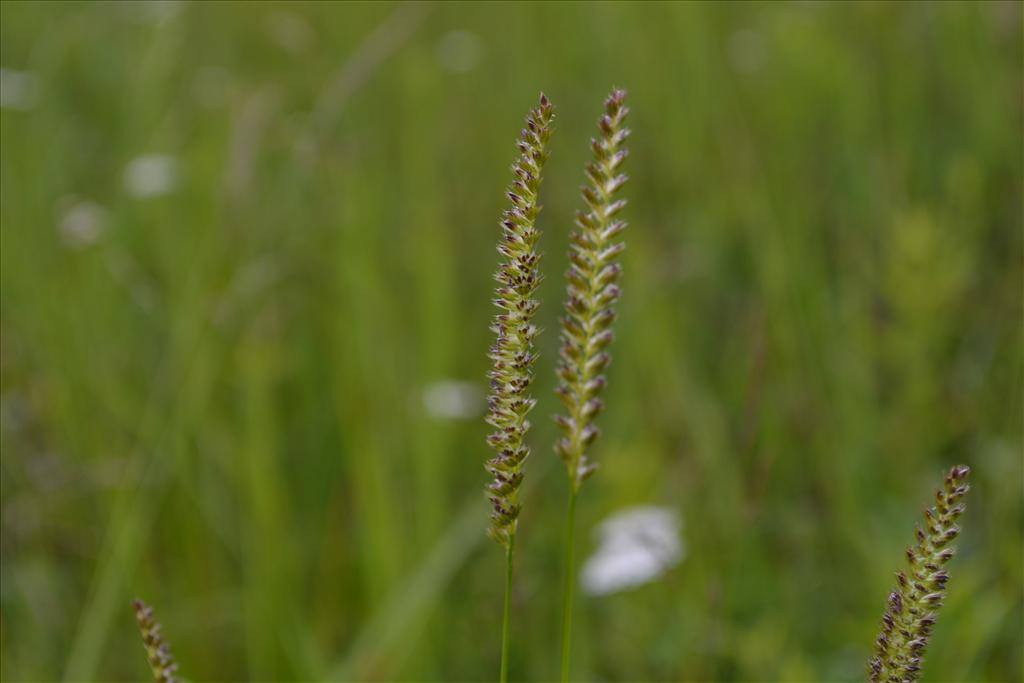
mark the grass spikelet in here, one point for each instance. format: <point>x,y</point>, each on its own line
<point>911,611</point>
<point>158,652</point>
<point>592,290</point>
<point>513,351</point>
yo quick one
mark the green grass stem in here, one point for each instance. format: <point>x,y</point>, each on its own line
<point>570,575</point>
<point>506,618</point>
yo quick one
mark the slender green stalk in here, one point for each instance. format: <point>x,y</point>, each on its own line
<point>569,590</point>
<point>508,609</point>
<point>591,292</point>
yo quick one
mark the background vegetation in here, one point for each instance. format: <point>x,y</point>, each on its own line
<point>214,361</point>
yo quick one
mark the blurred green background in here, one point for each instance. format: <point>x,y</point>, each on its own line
<point>246,250</point>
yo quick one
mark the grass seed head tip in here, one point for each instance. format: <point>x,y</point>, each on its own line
<point>911,609</point>
<point>158,652</point>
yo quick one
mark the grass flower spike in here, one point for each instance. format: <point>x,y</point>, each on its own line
<point>910,616</point>
<point>513,353</point>
<point>592,290</point>
<point>157,651</point>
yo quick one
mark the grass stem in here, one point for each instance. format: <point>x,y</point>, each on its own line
<point>508,608</point>
<point>570,574</point>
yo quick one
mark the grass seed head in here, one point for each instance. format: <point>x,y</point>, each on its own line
<point>158,652</point>
<point>911,610</point>
<point>592,290</point>
<point>512,354</point>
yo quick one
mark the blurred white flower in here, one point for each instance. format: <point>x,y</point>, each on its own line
<point>18,90</point>
<point>82,222</point>
<point>635,546</point>
<point>151,176</point>
<point>453,400</point>
<point>459,51</point>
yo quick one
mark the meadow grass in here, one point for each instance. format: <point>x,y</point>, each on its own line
<point>215,400</point>
<point>592,291</point>
<point>513,353</point>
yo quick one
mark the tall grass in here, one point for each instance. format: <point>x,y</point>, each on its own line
<point>592,291</point>
<point>513,352</point>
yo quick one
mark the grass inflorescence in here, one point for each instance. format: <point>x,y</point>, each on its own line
<point>911,612</point>
<point>158,652</point>
<point>591,292</point>
<point>513,352</point>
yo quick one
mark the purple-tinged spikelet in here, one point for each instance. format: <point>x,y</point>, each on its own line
<point>513,352</point>
<point>157,651</point>
<point>911,608</point>
<point>592,291</point>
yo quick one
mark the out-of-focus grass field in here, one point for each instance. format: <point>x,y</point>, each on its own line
<point>213,393</point>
